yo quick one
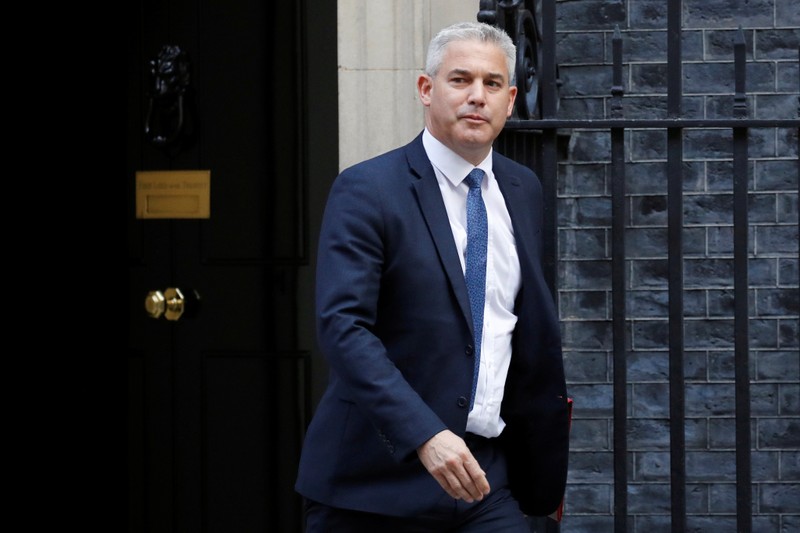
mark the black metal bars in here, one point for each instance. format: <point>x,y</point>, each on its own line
<point>744,498</point>
<point>619,216</point>
<point>545,132</point>
<point>677,393</point>
<point>549,95</point>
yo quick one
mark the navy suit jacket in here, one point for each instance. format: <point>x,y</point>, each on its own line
<point>394,324</point>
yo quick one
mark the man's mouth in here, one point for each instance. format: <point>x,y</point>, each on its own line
<point>475,117</point>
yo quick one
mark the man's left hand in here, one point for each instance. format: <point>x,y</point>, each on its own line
<point>451,463</point>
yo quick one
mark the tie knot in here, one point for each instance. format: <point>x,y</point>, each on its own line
<point>474,178</point>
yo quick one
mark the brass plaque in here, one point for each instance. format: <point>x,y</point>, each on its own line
<point>173,194</point>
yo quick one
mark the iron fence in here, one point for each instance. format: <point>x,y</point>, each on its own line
<point>533,137</point>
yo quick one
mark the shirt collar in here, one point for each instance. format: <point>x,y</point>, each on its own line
<point>454,167</point>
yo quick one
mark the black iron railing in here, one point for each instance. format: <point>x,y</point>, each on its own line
<point>534,141</point>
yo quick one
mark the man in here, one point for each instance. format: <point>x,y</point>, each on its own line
<point>446,408</point>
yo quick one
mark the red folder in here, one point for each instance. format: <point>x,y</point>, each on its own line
<point>558,513</point>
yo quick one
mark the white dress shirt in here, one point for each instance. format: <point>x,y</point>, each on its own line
<point>502,277</point>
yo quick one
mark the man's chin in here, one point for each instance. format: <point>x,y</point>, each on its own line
<point>475,139</point>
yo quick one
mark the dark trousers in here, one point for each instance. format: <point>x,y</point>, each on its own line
<point>498,512</point>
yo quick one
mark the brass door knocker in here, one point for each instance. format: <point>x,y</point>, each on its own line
<point>165,119</point>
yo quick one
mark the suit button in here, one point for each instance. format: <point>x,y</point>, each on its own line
<point>469,350</point>
<point>462,402</point>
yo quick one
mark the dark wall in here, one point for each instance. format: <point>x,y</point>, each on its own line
<point>772,34</point>
<point>320,102</point>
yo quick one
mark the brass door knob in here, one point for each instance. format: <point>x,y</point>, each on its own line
<point>175,303</point>
<point>171,304</point>
<point>155,304</point>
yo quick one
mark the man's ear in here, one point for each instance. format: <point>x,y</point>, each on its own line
<point>424,88</point>
<point>512,95</point>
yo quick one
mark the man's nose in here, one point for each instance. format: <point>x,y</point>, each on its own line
<point>477,93</point>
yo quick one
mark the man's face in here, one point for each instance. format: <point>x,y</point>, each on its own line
<point>469,99</point>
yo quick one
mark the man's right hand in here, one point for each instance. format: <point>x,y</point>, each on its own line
<point>452,464</point>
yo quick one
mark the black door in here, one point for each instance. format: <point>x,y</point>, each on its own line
<point>218,399</point>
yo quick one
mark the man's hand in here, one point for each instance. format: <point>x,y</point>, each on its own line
<point>450,462</point>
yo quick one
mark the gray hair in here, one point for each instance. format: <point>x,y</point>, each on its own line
<point>470,31</point>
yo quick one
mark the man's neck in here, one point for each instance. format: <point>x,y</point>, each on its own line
<point>474,157</point>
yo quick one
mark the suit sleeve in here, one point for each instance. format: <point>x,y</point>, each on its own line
<point>352,254</point>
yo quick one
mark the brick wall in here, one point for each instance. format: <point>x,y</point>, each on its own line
<point>772,33</point>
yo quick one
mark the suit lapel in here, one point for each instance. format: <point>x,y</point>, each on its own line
<point>432,206</point>
<point>519,210</point>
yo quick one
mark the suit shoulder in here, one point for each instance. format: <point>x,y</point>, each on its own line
<point>392,160</point>
<point>504,164</point>
<point>389,172</point>
<point>374,178</point>
<point>509,168</point>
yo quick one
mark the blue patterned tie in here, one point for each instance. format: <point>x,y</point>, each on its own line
<point>475,270</point>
